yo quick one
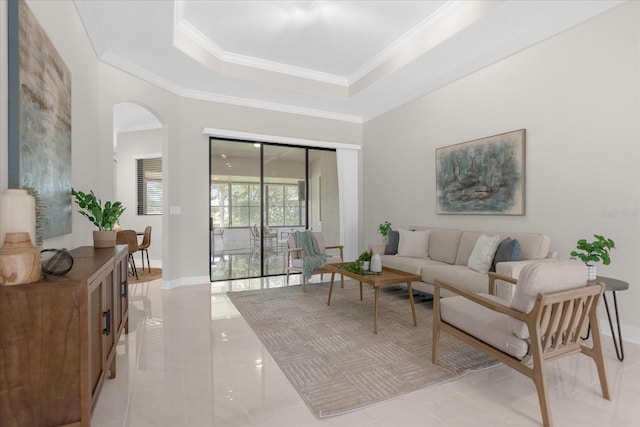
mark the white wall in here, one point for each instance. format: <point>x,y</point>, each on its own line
<point>577,95</point>
<point>73,46</point>
<point>185,159</point>
<point>132,146</point>
<point>97,87</point>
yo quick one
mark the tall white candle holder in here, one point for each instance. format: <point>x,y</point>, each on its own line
<point>17,214</point>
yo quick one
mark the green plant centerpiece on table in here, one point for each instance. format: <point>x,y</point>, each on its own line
<point>102,216</point>
<point>592,252</point>
<point>365,256</point>
<point>360,265</point>
<point>384,229</point>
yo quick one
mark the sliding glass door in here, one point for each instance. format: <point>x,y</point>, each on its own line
<point>259,194</point>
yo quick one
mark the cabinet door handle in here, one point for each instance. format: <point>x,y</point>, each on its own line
<point>125,289</point>
<point>107,316</point>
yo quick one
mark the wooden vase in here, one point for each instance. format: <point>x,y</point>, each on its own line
<point>19,260</point>
<point>104,238</point>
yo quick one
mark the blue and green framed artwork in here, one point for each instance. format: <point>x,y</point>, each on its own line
<point>485,176</point>
<point>39,119</point>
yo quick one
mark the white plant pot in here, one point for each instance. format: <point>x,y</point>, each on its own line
<point>591,273</point>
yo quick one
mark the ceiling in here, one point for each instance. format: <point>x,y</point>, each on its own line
<point>345,60</point>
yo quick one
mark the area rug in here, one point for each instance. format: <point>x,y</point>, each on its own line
<point>331,355</point>
<point>146,275</point>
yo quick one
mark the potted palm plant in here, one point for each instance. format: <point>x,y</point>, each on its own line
<point>592,252</point>
<point>102,216</point>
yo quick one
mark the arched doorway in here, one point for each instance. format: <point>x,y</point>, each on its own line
<point>138,135</point>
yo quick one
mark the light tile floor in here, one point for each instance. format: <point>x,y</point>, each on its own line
<point>190,359</point>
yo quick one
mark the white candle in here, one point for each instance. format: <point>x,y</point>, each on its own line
<point>17,213</point>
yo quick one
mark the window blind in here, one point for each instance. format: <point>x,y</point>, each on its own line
<point>149,186</point>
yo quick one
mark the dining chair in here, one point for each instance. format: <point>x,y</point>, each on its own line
<point>144,246</point>
<point>130,238</point>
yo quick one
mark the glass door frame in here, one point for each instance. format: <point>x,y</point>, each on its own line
<point>263,196</point>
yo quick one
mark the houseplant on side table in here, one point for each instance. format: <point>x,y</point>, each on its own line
<point>103,217</point>
<point>592,252</point>
<point>384,229</point>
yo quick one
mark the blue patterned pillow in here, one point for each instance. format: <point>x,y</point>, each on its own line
<point>508,250</point>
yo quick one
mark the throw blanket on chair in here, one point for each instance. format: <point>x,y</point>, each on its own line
<point>313,258</point>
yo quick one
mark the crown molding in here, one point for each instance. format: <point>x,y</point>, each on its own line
<point>182,25</point>
<point>272,106</point>
<point>137,71</point>
<point>90,26</point>
<point>397,47</point>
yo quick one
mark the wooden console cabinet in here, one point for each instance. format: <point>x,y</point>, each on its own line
<point>58,340</point>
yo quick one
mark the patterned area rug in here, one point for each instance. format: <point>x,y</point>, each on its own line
<point>331,355</point>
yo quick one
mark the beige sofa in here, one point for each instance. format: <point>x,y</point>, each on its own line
<point>448,254</point>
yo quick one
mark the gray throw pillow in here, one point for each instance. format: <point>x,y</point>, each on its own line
<point>393,238</point>
<point>508,250</point>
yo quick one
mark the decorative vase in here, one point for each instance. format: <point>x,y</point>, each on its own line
<point>104,238</point>
<point>365,265</point>
<point>376,263</point>
<point>591,273</point>
<point>17,213</point>
<point>19,260</point>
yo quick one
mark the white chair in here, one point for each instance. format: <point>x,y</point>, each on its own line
<point>296,255</point>
<point>551,305</point>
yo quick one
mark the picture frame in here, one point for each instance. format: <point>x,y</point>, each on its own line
<point>39,111</point>
<point>484,176</point>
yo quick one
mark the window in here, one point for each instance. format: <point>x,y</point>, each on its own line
<point>149,186</point>
<point>237,204</point>
<point>284,206</point>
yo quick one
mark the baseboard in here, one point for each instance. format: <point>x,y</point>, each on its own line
<point>185,281</point>
<point>629,333</point>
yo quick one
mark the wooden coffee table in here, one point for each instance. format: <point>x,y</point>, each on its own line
<point>387,277</point>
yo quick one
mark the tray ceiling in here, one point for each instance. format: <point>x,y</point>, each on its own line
<point>345,60</point>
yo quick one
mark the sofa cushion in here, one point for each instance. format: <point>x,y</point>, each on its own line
<point>483,252</point>
<point>544,277</point>
<point>459,275</point>
<point>485,324</point>
<point>393,238</point>
<point>508,250</point>
<point>414,244</point>
<point>443,244</point>
<point>410,265</point>
<point>532,245</point>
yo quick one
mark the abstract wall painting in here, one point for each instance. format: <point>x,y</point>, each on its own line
<point>39,119</point>
<point>485,176</point>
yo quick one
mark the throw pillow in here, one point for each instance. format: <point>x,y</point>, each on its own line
<point>393,238</point>
<point>508,250</point>
<point>483,253</point>
<point>543,277</point>
<point>414,244</point>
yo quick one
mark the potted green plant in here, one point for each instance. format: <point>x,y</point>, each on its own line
<point>384,229</point>
<point>592,252</point>
<point>102,216</point>
<point>365,259</point>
